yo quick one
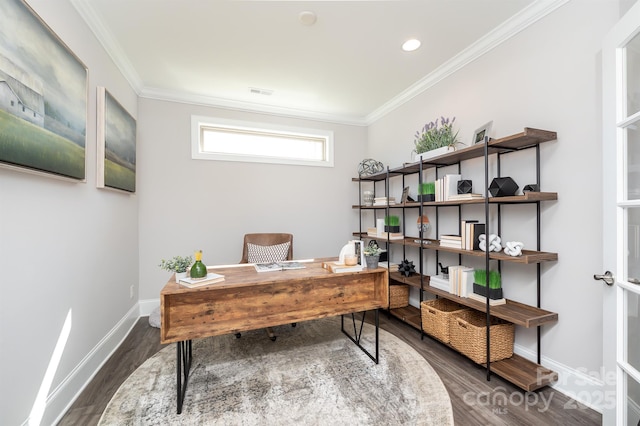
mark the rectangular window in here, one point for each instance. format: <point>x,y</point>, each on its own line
<point>233,140</point>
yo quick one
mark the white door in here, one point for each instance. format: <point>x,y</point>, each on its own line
<point>621,221</point>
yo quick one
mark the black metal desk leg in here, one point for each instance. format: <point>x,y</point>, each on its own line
<point>357,333</point>
<point>184,355</point>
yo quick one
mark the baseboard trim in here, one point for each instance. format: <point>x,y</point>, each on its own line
<point>64,395</point>
<point>147,306</point>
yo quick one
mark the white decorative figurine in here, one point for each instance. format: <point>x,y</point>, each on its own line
<point>494,242</point>
<point>513,248</point>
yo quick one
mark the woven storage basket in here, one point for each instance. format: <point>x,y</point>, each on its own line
<point>436,316</point>
<point>468,331</point>
<point>398,296</point>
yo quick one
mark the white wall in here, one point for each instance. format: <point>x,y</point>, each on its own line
<point>188,204</point>
<point>64,248</point>
<point>547,77</point>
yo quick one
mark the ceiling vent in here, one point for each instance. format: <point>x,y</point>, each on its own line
<point>257,91</point>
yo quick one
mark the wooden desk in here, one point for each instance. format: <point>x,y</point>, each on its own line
<point>248,300</point>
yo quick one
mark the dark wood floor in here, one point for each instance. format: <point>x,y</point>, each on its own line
<point>475,400</point>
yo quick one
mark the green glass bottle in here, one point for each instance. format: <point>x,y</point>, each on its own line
<point>198,270</point>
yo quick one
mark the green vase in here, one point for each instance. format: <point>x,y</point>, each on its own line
<point>198,270</point>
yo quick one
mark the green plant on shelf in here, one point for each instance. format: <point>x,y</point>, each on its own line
<point>372,251</point>
<point>427,188</point>
<point>480,278</point>
<point>392,220</point>
<point>433,136</point>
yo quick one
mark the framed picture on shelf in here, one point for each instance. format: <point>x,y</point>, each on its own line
<point>479,135</point>
<point>43,100</point>
<point>116,153</point>
<point>405,195</point>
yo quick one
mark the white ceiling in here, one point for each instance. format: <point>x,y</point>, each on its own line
<point>347,67</point>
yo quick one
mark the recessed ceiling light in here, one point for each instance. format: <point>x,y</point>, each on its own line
<point>411,45</point>
<point>307,18</point>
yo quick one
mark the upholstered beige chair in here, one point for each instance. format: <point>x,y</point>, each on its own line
<point>267,247</point>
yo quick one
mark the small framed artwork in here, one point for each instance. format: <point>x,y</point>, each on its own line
<point>116,153</point>
<point>479,135</point>
<point>405,195</point>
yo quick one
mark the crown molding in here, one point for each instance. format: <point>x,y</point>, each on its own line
<point>111,46</point>
<point>529,15</point>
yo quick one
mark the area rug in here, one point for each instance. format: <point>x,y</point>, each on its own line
<point>311,375</point>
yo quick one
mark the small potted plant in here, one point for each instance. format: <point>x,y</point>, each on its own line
<point>427,191</point>
<point>178,264</point>
<point>392,223</point>
<point>433,139</point>
<point>492,289</point>
<point>372,255</point>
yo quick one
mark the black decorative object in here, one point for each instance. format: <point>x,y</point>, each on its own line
<point>465,186</point>
<point>503,187</point>
<point>426,197</point>
<point>407,268</point>
<point>532,187</point>
<point>444,270</point>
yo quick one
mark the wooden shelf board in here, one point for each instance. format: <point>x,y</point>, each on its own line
<point>515,312</point>
<point>528,256</point>
<point>413,281</point>
<point>527,197</point>
<point>523,373</point>
<point>409,314</point>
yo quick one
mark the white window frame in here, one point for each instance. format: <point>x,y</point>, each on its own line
<point>198,123</point>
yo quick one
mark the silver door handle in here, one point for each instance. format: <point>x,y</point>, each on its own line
<point>607,278</point>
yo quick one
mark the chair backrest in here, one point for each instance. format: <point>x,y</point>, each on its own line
<point>267,239</point>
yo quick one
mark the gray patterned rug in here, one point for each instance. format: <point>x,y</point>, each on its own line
<point>311,375</point>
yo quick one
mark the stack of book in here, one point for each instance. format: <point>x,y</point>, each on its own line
<point>468,196</point>
<point>471,231</point>
<point>437,281</point>
<point>446,187</point>
<point>392,235</point>
<point>383,201</point>
<point>452,241</point>
<point>211,278</point>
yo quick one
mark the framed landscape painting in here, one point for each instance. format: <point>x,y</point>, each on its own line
<point>43,97</point>
<point>116,144</point>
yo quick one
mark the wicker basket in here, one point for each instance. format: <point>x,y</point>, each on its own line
<point>468,330</point>
<point>436,315</point>
<point>398,296</point>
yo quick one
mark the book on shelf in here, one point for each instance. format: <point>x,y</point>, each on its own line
<point>473,233</point>
<point>459,279</point>
<point>492,302</point>
<point>338,267</point>
<point>211,278</point>
<point>392,235</point>
<point>465,227</point>
<point>451,241</point>
<point>468,196</point>
<point>447,186</point>
<point>437,281</point>
<point>278,266</point>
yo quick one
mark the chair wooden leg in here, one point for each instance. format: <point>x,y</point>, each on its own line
<point>271,334</point>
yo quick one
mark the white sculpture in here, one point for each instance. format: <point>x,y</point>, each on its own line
<point>494,242</point>
<point>513,248</point>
